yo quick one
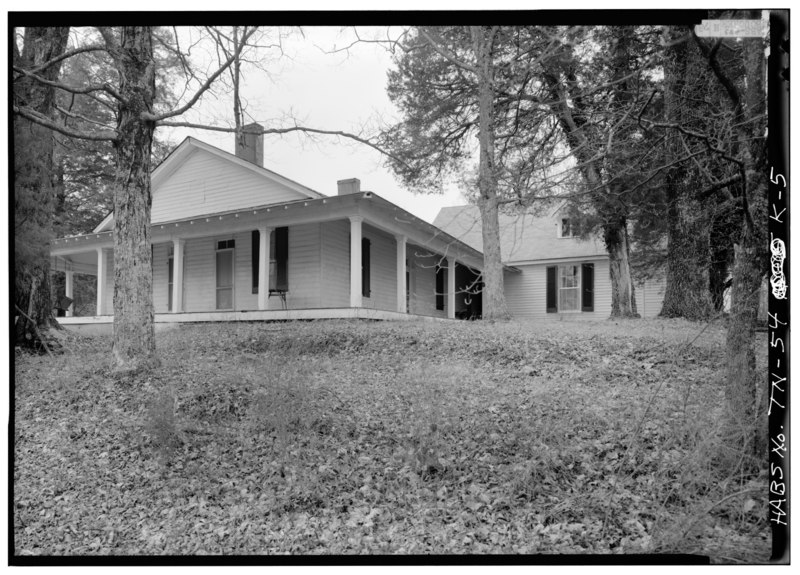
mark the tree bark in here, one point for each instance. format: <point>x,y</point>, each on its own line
<point>134,334</point>
<point>688,233</point>
<point>747,405</point>
<point>34,200</point>
<point>623,298</point>
<point>493,299</point>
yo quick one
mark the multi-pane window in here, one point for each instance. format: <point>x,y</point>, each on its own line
<point>569,292</point>
<point>570,287</point>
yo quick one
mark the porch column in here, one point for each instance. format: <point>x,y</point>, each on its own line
<point>68,290</point>
<point>451,288</point>
<point>101,280</point>
<point>263,267</point>
<point>177,275</point>
<point>355,261</point>
<point>401,274</point>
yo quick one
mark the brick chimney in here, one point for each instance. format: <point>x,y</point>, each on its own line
<point>351,186</point>
<point>250,146</point>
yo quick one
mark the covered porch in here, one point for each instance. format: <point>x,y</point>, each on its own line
<point>355,255</point>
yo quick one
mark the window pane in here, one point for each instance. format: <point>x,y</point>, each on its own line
<point>569,276</point>
<point>568,299</point>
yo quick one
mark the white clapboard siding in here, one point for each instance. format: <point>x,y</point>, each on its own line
<point>244,299</point>
<point>108,303</point>
<point>383,270</point>
<point>206,184</point>
<point>422,266</point>
<point>199,275</point>
<point>304,267</point>
<point>161,277</point>
<point>526,293</point>
<point>335,288</point>
<point>650,297</point>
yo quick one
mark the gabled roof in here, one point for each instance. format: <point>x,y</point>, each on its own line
<point>191,146</point>
<point>523,237</point>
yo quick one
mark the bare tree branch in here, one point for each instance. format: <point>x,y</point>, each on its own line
<point>206,85</point>
<point>27,113</point>
<point>72,89</point>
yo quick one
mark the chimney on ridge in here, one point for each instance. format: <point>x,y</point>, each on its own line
<point>250,144</point>
<point>351,186</point>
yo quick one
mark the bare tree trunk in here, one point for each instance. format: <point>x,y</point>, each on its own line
<point>623,299</point>
<point>688,259</point>
<point>494,299</point>
<point>34,199</point>
<point>747,406</point>
<point>134,336</point>
<point>688,250</point>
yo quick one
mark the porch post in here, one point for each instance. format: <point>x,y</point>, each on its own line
<point>263,267</point>
<point>355,261</point>
<point>68,290</point>
<point>451,288</point>
<point>401,274</point>
<point>101,280</point>
<point>177,275</point>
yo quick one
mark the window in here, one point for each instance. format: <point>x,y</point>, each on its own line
<point>570,288</point>
<point>226,245</point>
<point>440,287</point>
<point>365,267</point>
<point>567,228</point>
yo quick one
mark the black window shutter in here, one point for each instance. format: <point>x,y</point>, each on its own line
<point>587,287</point>
<point>282,258</point>
<point>365,244</point>
<point>552,275</point>
<point>256,243</point>
<point>439,287</point>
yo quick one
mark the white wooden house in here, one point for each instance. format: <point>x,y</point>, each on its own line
<point>235,241</point>
<point>550,273</point>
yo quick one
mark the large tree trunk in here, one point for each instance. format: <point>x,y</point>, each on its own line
<point>134,337</point>
<point>623,298</point>
<point>33,184</point>
<point>747,406</point>
<point>494,299</point>
<point>688,250</point>
<point>688,258</point>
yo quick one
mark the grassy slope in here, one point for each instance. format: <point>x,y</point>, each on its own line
<point>342,437</point>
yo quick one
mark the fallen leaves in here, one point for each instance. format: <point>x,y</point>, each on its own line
<point>347,437</point>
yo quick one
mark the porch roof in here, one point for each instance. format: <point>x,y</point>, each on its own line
<point>375,210</point>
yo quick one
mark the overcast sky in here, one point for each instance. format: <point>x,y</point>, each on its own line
<point>333,91</point>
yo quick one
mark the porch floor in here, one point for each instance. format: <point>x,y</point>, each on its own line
<point>165,320</point>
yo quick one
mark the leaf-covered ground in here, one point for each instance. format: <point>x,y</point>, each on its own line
<point>354,437</point>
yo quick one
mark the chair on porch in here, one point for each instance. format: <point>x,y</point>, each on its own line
<point>281,293</point>
<point>62,306</point>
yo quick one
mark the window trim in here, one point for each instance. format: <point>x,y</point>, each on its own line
<point>553,287</point>
<point>566,223</point>
<point>576,288</point>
